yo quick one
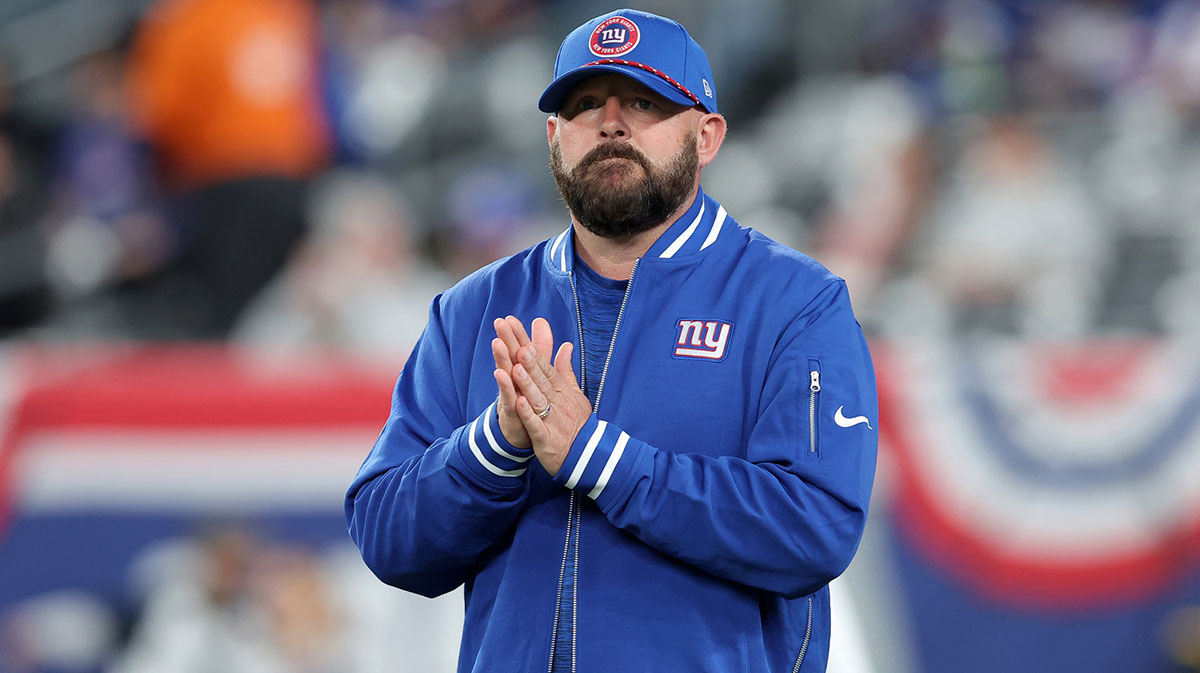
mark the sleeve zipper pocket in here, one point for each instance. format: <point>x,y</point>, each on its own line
<point>814,390</point>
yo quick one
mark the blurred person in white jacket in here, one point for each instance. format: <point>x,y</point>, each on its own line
<point>356,283</point>
<point>229,604</point>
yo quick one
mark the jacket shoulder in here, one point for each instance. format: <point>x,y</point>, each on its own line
<point>507,275</point>
<point>795,274</point>
<point>802,295</point>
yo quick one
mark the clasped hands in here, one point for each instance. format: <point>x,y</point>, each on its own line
<point>539,404</point>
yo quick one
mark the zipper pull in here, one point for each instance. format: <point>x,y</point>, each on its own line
<point>815,381</point>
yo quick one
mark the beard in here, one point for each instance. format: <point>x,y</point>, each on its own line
<point>613,205</point>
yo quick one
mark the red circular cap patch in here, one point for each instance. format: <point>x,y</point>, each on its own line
<point>614,36</point>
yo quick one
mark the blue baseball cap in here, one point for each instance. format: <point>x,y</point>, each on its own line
<point>654,50</point>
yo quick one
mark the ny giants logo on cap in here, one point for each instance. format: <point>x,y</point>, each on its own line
<point>614,36</point>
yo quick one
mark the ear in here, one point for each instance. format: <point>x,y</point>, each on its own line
<point>551,127</point>
<point>710,133</point>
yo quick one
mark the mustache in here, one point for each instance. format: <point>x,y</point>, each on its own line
<point>613,149</point>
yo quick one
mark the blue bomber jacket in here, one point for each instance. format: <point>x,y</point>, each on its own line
<point>720,484</point>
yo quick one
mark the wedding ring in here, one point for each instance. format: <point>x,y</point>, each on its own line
<point>544,412</point>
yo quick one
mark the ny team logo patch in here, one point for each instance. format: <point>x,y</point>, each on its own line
<point>614,37</point>
<point>702,339</point>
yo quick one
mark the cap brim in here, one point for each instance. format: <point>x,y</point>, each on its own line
<point>554,95</point>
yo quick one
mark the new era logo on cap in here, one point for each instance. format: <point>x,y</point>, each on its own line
<point>654,50</point>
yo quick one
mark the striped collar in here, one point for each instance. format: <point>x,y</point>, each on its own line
<point>695,231</point>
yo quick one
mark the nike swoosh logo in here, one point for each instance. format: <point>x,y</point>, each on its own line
<point>844,422</point>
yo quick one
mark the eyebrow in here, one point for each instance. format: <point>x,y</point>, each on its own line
<point>635,90</point>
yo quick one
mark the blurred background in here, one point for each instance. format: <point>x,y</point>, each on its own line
<point>221,223</point>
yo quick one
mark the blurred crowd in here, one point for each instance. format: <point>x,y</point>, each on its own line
<point>235,600</point>
<point>299,173</point>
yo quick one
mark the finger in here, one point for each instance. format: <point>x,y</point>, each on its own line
<point>508,391</point>
<point>563,363</point>
<point>543,336</point>
<point>543,375</point>
<point>519,330</point>
<point>529,418</point>
<point>501,355</point>
<point>539,356</point>
<point>527,386</point>
<point>505,333</point>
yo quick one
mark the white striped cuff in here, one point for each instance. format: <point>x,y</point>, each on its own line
<point>599,458</point>
<point>491,450</point>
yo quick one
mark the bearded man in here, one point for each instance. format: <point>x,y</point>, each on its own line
<point>647,443</point>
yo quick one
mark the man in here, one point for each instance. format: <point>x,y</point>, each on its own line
<point>670,489</point>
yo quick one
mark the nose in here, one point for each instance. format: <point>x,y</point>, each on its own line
<point>612,122</point>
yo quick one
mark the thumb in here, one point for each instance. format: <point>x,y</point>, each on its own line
<point>562,362</point>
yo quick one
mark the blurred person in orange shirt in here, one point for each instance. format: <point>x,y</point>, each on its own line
<point>227,93</point>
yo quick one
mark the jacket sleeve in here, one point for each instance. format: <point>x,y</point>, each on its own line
<point>787,518</point>
<point>439,486</point>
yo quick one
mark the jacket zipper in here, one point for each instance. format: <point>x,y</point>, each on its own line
<point>807,636</point>
<point>571,501</point>
<point>575,583</point>
<point>814,387</point>
<point>579,323</point>
<point>562,573</point>
<point>571,505</point>
<point>612,345</point>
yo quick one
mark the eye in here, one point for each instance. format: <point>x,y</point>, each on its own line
<point>644,104</point>
<point>587,103</point>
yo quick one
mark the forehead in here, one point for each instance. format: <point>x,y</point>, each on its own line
<point>609,83</point>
